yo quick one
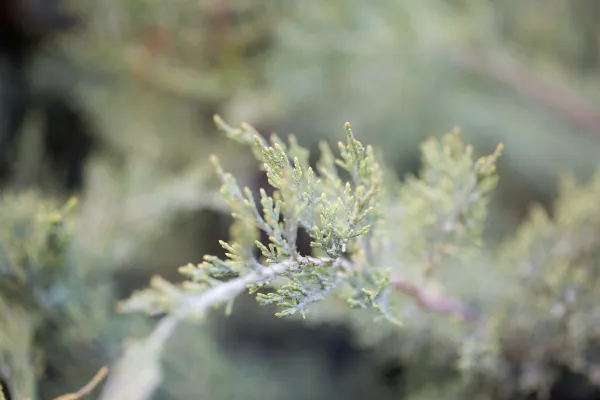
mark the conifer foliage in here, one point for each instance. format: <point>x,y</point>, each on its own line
<point>342,217</point>
<point>349,206</point>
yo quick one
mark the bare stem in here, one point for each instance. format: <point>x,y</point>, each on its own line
<point>441,305</point>
<point>88,388</point>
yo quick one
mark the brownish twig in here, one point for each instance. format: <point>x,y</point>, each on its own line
<point>558,98</point>
<point>87,389</point>
<point>440,305</point>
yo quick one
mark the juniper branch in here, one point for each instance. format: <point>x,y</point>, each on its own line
<point>137,374</point>
<point>338,217</point>
<point>200,303</point>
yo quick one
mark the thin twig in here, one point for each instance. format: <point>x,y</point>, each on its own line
<point>198,304</point>
<point>138,372</point>
<point>87,389</point>
<point>437,304</point>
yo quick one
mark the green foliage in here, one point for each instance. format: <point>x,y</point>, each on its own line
<point>18,361</point>
<point>346,205</point>
<point>550,317</point>
<point>51,315</point>
<point>34,242</point>
<point>445,207</point>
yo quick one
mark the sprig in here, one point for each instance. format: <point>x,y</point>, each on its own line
<point>441,209</point>
<point>333,213</point>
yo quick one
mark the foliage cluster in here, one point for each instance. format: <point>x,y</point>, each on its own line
<point>445,210</point>
<point>34,290</point>
<point>350,224</point>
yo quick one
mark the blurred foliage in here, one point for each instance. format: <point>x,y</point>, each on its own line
<point>401,71</point>
<point>521,73</point>
<point>48,309</point>
<point>34,242</point>
<point>308,67</point>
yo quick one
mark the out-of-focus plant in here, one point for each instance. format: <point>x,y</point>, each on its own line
<point>34,289</point>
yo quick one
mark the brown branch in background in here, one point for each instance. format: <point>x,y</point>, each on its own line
<point>559,98</point>
<point>220,17</point>
<point>87,389</point>
<point>222,43</point>
<point>154,44</point>
<point>440,305</point>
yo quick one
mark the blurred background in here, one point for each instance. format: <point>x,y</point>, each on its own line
<point>112,101</point>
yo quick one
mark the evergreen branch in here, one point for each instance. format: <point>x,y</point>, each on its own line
<point>452,188</point>
<point>138,374</point>
<point>198,304</point>
<point>341,217</point>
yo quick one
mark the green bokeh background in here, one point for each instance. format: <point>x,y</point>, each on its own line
<point>151,74</point>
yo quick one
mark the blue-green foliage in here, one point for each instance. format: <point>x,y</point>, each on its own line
<point>444,208</point>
